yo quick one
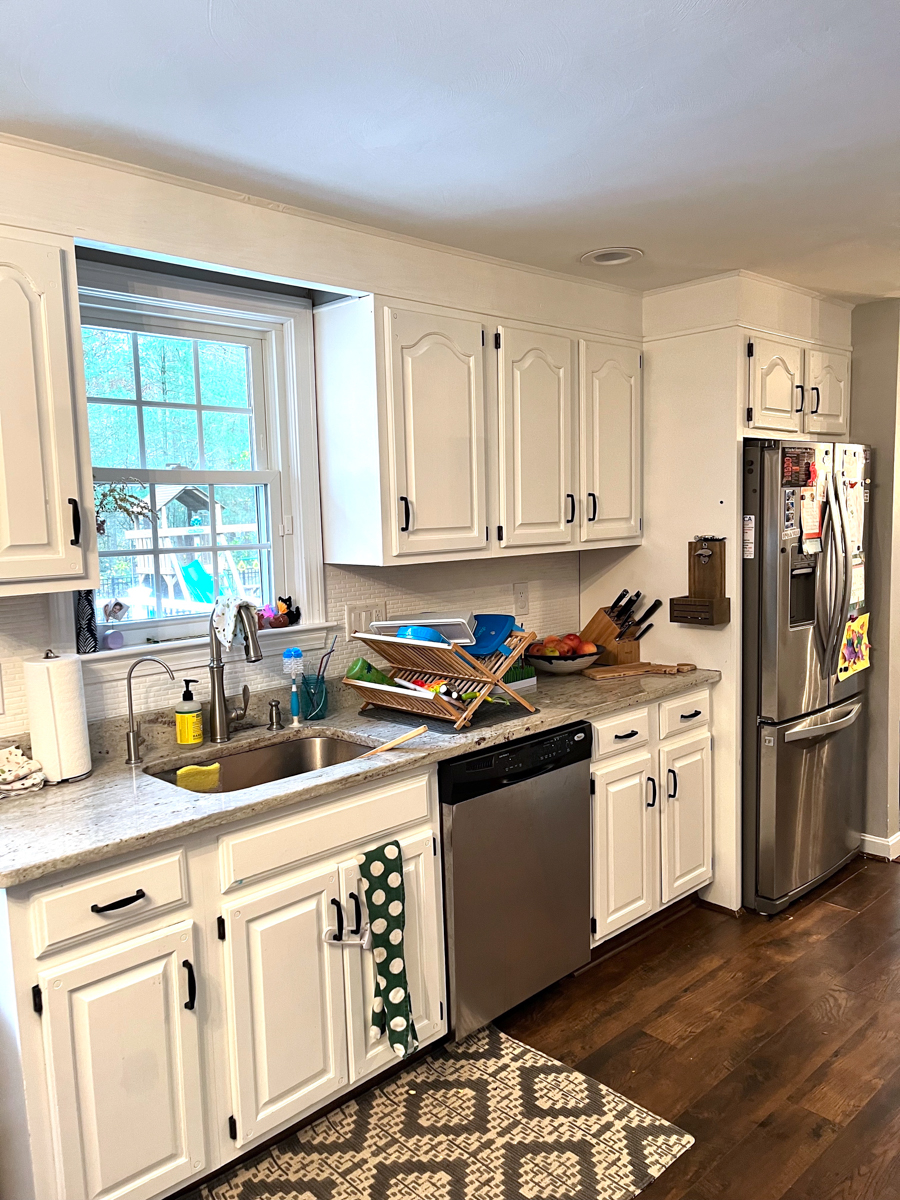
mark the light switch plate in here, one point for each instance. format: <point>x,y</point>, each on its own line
<point>520,599</point>
<point>358,620</point>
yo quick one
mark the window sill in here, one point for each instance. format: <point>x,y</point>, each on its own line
<point>192,654</point>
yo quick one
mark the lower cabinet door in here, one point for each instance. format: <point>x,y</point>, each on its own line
<point>123,1063</point>
<point>285,1001</point>
<point>686,797</point>
<point>625,811</point>
<point>423,942</point>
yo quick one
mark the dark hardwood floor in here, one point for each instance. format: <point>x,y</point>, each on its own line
<point>775,1042</point>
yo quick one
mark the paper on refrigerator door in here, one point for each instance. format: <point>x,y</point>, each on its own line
<point>858,581</point>
<point>855,648</point>
<point>811,520</point>
<point>854,499</point>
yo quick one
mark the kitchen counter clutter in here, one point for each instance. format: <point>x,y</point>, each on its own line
<point>119,809</point>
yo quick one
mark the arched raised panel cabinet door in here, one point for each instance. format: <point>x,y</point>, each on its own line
<point>538,494</point>
<point>625,822</point>
<point>776,386</point>
<point>285,1001</point>
<point>685,787</point>
<point>123,1068</point>
<point>610,390</point>
<point>45,516</point>
<point>828,393</point>
<point>436,399</point>
<point>423,942</point>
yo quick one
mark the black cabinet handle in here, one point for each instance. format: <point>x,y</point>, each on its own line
<point>592,496</point>
<point>818,398</point>
<point>672,775</point>
<point>652,782</point>
<point>192,984</point>
<point>690,716</point>
<point>358,910</point>
<point>799,387</point>
<point>404,528</point>
<point>623,737</point>
<point>123,903</point>
<point>75,539</point>
<point>571,500</point>
<point>339,936</point>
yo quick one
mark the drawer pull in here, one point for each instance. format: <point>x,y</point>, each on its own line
<point>623,737</point>
<point>690,716</point>
<point>357,908</point>
<point>192,984</point>
<point>652,781</point>
<point>116,904</point>
<point>339,936</point>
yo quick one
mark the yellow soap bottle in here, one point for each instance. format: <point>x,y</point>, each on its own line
<point>188,718</point>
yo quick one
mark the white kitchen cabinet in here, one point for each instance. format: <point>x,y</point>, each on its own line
<point>423,941</point>
<point>610,440</point>
<point>776,385</point>
<point>123,1068</point>
<point>285,1001</point>
<point>537,422</point>
<point>686,814</point>
<point>46,500</point>
<point>827,393</point>
<point>626,861</point>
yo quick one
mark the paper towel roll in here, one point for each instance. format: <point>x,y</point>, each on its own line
<point>54,690</point>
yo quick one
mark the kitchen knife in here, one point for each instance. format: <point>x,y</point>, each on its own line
<point>648,612</point>
<point>618,600</point>
<point>625,611</point>
<point>646,629</point>
<point>625,630</point>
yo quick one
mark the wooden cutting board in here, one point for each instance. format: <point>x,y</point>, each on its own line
<point>624,670</point>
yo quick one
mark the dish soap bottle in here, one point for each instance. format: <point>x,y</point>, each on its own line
<point>188,718</point>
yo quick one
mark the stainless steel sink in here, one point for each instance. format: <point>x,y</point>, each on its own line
<point>265,764</point>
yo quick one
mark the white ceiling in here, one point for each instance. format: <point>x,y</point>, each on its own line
<point>715,134</point>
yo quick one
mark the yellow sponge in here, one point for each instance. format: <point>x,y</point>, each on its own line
<point>198,779</point>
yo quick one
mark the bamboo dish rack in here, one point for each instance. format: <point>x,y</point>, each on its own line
<point>432,662</point>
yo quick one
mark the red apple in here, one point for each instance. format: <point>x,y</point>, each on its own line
<point>573,640</point>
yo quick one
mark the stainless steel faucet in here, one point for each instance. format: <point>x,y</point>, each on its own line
<point>133,736</point>
<point>220,716</point>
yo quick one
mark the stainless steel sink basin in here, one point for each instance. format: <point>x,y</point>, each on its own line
<point>280,760</point>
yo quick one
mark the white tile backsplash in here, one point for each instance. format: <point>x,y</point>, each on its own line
<point>483,586</point>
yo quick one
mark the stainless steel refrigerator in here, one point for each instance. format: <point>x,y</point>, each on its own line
<point>805,538</point>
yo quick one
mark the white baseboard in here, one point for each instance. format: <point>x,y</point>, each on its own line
<point>881,847</point>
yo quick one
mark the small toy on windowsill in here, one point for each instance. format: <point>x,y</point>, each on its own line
<point>278,616</point>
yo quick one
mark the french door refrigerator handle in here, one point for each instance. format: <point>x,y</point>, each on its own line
<point>837,583</point>
<point>847,567</point>
<point>824,605</point>
<point>812,732</point>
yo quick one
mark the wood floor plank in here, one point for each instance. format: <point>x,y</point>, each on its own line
<point>879,972</point>
<point>631,1053</point>
<point>874,880</point>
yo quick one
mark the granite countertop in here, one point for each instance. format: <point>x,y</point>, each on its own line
<point>119,809</point>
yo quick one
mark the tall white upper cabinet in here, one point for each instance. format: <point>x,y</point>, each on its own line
<point>46,506</point>
<point>610,391</point>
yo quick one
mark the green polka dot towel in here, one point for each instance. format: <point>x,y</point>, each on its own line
<point>382,882</point>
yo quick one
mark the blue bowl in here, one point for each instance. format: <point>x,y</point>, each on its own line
<point>421,633</point>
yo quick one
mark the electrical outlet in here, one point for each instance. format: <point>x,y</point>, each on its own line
<point>520,599</point>
<point>358,620</point>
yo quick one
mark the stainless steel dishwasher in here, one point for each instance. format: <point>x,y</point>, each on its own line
<point>517,870</point>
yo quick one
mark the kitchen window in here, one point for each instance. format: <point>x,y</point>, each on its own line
<point>202,465</point>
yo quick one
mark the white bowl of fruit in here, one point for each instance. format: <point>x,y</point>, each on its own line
<point>562,655</point>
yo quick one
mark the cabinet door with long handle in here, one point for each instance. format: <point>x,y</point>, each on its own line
<point>686,814</point>
<point>122,1049</point>
<point>610,423</point>
<point>538,494</point>
<point>45,513</point>
<point>625,824</point>
<point>828,379</point>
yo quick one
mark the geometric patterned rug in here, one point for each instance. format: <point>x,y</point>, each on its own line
<point>484,1119</point>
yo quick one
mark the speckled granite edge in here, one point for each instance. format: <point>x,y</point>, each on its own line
<point>120,809</point>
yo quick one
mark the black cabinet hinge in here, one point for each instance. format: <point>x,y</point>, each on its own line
<point>487,533</point>
<point>434,846</point>
<point>749,349</point>
<point>749,416</point>
<point>593,787</point>
<point>497,340</point>
<point>442,1009</point>
<point>640,360</point>
<point>37,999</point>
<point>500,532</point>
<point>593,925</point>
<point>220,928</point>
<point>482,337</point>
<point>232,1129</point>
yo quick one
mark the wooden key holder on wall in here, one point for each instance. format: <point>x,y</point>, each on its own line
<point>706,603</point>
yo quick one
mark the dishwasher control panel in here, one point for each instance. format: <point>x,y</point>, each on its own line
<point>532,755</point>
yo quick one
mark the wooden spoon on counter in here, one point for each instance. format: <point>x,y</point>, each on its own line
<point>397,741</point>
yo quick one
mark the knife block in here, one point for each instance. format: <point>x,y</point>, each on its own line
<point>603,631</point>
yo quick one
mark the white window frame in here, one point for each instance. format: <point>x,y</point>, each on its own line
<point>284,327</point>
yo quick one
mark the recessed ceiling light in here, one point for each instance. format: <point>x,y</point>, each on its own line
<point>612,256</point>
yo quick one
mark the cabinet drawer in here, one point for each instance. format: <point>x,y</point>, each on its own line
<point>277,845</point>
<point>128,894</point>
<point>624,732</point>
<point>684,713</point>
